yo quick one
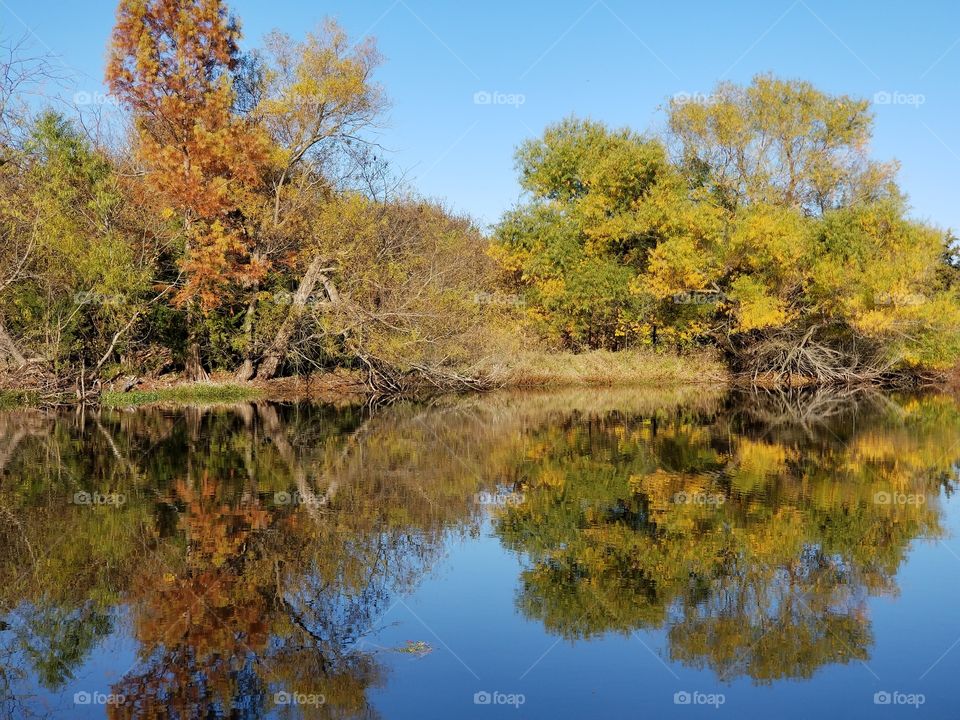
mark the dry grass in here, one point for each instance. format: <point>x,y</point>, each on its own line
<point>528,369</point>
<point>605,368</point>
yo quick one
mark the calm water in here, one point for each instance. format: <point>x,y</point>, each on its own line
<point>587,554</point>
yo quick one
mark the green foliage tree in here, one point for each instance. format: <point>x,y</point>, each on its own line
<point>767,232</point>
<point>86,277</point>
<point>578,245</point>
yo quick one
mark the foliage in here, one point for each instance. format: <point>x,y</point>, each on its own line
<point>249,223</point>
<point>81,276</point>
<point>409,280</point>
<point>248,189</point>
<point>576,246</point>
<point>169,64</point>
<point>767,232</point>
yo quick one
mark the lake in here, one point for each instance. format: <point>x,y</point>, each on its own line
<point>581,554</point>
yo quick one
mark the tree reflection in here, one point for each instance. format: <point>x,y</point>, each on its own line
<point>756,544</point>
<point>255,550</point>
<point>258,547</point>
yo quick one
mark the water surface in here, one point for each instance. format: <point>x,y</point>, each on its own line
<point>579,554</point>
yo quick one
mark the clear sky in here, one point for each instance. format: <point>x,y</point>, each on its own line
<point>612,60</point>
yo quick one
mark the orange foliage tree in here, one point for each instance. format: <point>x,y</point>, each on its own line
<point>171,65</point>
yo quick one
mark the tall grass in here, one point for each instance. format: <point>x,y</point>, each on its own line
<point>602,367</point>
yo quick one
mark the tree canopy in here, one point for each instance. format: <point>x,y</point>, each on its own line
<point>248,222</point>
<point>758,224</point>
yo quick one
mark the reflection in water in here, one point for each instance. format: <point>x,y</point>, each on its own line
<point>249,551</point>
<point>757,543</point>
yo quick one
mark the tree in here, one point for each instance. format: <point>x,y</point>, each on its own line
<point>769,233</point>
<point>779,142</point>
<point>316,100</point>
<point>410,297</point>
<point>20,75</point>
<point>79,276</point>
<point>576,247</point>
<point>171,65</point>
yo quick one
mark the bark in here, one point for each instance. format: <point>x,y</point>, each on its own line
<point>247,370</point>
<point>315,273</point>
<point>194,368</point>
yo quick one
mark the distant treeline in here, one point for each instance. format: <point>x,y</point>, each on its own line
<point>246,221</point>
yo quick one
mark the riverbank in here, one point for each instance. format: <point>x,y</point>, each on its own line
<point>628,368</point>
<point>606,368</point>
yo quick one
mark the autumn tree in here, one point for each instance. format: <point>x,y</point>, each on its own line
<point>316,99</point>
<point>768,232</point>
<point>779,142</point>
<point>814,269</point>
<point>171,64</point>
<point>411,298</point>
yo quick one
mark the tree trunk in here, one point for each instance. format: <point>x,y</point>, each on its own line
<point>281,341</point>
<point>193,367</point>
<point>247,370</point>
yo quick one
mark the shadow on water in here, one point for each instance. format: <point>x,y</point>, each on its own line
<point>248,553</point>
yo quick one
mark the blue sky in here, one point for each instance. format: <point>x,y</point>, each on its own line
<point>612,60</point>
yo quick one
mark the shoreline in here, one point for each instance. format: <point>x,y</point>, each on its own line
<point>532,371</point>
